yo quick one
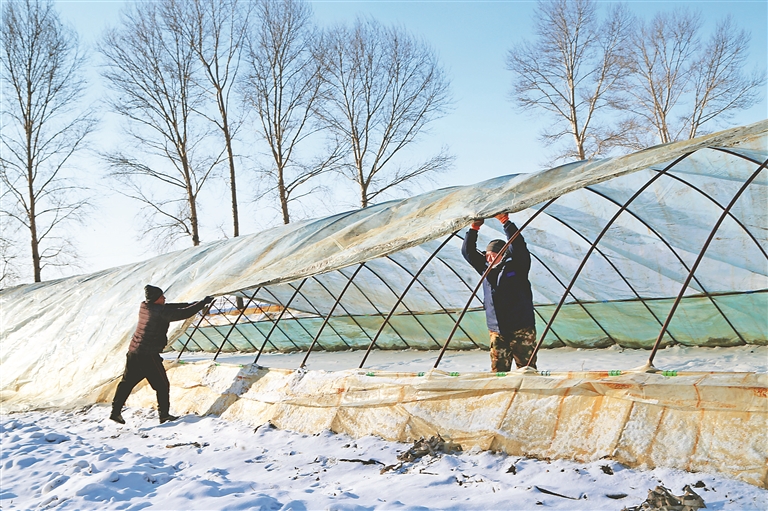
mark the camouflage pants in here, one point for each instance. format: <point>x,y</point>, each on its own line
<point>517,345</point>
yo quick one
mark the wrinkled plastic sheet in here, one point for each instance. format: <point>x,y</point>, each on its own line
<point>699,422</point>
<point>62,339</point>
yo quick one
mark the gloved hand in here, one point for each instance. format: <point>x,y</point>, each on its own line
<point>502,217</point>
<point>476,223</point>
<point>208,300</point>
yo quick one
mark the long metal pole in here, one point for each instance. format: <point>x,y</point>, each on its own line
<point>242,312</point>
<point>733,217</point>
<point>432,295</point>
<point>279,317</point>
<point>194,330</point>
<point>238,304</point>
<point>677,256</point>
<point>287,336</point>
<point>700,258</point>
<point>485,274</point>
<point>592,249</point>
<point>612,265</point>
<point>400,298</point>
<point>316,279</point>
<point>330,313</point>
<point>389,287</point>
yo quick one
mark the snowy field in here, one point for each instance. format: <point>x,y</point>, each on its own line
<point>81,460</point>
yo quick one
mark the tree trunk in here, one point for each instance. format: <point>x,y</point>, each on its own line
<point>283,197</point>
<point>231,159</point>
<point>35,245</point>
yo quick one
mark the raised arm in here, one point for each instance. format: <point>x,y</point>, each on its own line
<point>179,311</point>
<point>518,249</point>
<point>469,248</point>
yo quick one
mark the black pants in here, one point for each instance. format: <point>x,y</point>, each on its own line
<point>137,367</point>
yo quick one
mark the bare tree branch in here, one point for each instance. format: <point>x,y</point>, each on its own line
<point>720,86</point>
<point>384,87</point>
<point>43,126</point>
<point>571,70</point>
<point>151,67</point>
<point>283,86</point>
<point>677,85</point>
<point>216,31</point>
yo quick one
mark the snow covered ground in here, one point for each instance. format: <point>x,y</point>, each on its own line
<point>81,460</point>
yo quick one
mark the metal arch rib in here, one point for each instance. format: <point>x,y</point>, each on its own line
<point>701,257</point>
<point>594,244</point>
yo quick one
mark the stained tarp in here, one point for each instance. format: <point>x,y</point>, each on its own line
<point>699,422</point>
<point>77,329</point>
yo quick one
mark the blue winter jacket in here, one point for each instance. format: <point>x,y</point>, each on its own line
<point>507,292</point>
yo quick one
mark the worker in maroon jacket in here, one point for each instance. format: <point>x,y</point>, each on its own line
<point>149,340</point>
<point>508,299</point>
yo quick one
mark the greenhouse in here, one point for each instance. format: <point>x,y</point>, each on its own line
<point>675,252</point>
<point>663,247</point>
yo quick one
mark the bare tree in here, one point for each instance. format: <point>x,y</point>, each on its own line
<point>677,84</point>
<point>215,29</point>
<point>384,88</point>
<point>283,87</point>
<point>570,70</point>
<point>151,68</point>
<point>719,85</point>
<point>41,66</point>
<point>662,51</point>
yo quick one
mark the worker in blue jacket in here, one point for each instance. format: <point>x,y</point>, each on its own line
<point>507,292</point>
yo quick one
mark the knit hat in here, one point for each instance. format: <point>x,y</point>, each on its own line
<point>495,246</point>
<point>152,293</point>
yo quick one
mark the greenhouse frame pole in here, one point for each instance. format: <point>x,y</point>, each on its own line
<point>431,295</point>
<point>700,257</point>
<point>386,284</point>
<point>612,265</point>
<point>194,330</point>
<point>594,245</point>
<point>279,317</point>
<point>402,295</point>
<point>485,274</point>
<point>720,206</point>
<point>330,313</point>
<point>242,312</point>
<point>674,253</point>
<point>344,290</point>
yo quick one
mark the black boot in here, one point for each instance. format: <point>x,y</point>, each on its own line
<point>117,417</point>
<point>167,418</point>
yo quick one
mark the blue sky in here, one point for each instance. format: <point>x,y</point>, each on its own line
<point>484,130</point>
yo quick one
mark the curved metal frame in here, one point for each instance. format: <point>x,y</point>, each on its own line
<point>716,203</point>
<point>352,316</point>
<point>432,295</point>
<point>700,258</point>
<point>279,317</point>
<point>386,284</point>
<point>234,325</point>
<point>485,274</point>
<point>238,305</point>
<point>338,301</point>
<point>317,311</point>
<point>194,330</point>
<point>679,259</point>
<point>277,326</point>
<point>400,299</point>
<point>594,244</point>
<point>330,313</point>
<point>618,272</point>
